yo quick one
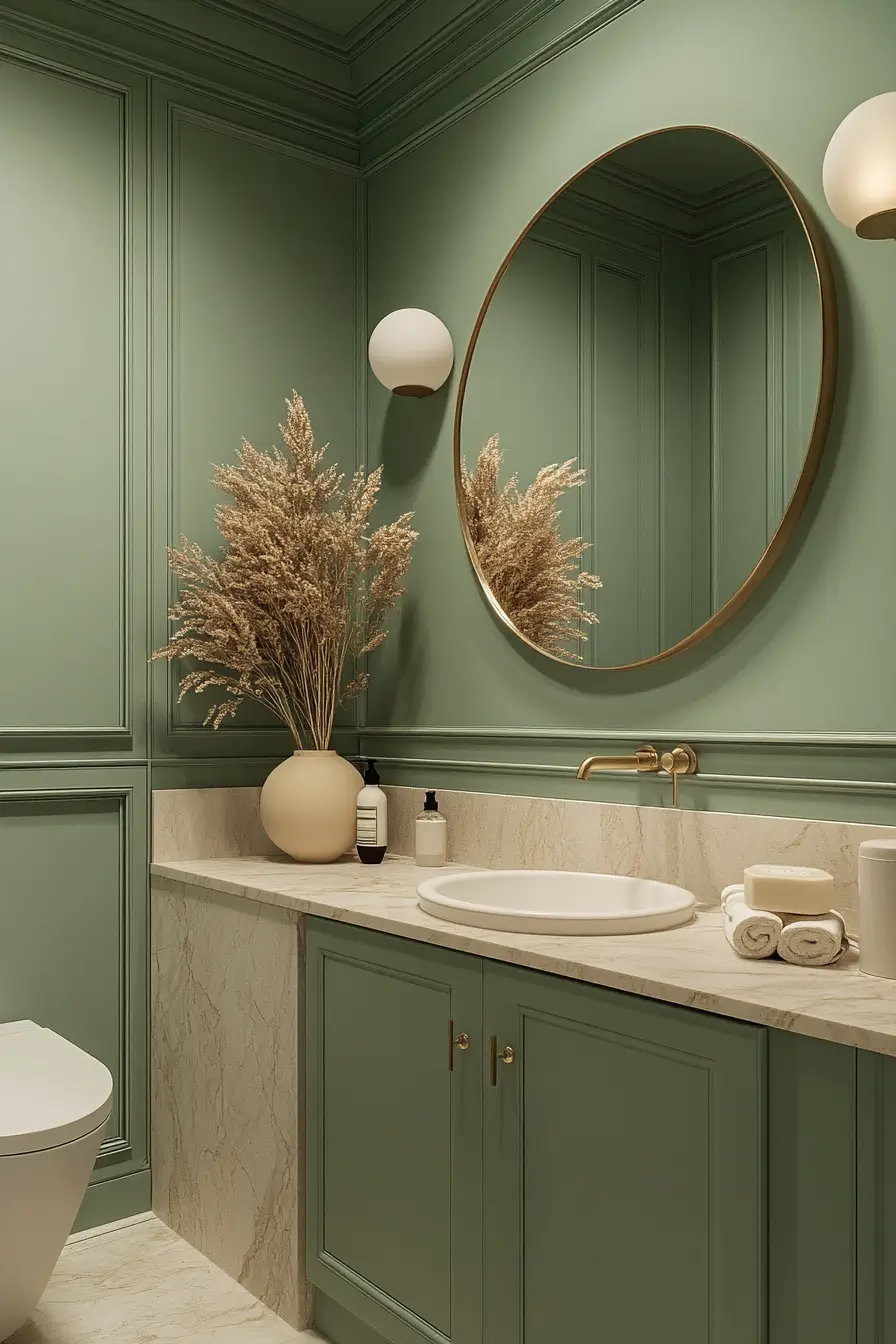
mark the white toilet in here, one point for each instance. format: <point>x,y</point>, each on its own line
<point>55,1101</point>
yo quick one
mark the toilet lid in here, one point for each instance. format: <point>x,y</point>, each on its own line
<point>50,1091</point>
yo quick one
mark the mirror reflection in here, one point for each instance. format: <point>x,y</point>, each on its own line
<point>641,397</point>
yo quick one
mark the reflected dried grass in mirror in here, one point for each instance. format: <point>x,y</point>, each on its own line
<point>533,573</point>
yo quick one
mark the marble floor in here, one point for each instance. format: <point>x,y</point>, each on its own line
<point>138,1283</point>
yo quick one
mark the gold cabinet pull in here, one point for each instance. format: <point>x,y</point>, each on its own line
<point>506,1056</point>
<point>462,1041</point>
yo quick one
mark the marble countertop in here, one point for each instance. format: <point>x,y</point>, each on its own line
<point>692,965</point>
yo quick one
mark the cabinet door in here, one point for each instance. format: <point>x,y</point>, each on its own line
<point>394,1133</point>
<point>625,1169</point>
<point>876,1162</point>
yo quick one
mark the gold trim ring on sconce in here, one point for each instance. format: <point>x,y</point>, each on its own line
<point>824,278</point>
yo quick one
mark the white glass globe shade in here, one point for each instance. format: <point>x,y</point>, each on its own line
<point>859,172</point>
<point>411,352</point>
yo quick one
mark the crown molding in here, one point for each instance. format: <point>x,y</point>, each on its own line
<point>285,72</point>
<point>384,19</point>
<point>696,204</point>
<point>282,23</point>
<point>382,155</point>
<point>166,57</point>
<point>402,72</point>
<point>707,222</point>
<point>291,70</point>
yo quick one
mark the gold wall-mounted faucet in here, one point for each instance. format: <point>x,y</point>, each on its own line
<point>646,760</point>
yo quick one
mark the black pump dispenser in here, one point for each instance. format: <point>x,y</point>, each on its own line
<point>430,805</point>
<point>371,818</point>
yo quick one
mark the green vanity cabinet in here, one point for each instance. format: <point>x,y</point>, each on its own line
<point>590,1157</point>
<point>876,1199</point>
<point>394,1134</point>
<point>624,1168</point>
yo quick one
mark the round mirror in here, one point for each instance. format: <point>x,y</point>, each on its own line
<point>644,399</point>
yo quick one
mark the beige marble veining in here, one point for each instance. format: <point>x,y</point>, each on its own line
<point>207,824</point>
<point>702,851</point>
<point>692,965</point>
<point>226,1138</point>
<point>141,1283</point>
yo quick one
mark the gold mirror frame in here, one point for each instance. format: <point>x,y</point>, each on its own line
<point>827,298</point>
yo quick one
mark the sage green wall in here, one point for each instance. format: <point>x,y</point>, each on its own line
<point>187,241</point>
<point>175,262</point>
<point>791,705</point>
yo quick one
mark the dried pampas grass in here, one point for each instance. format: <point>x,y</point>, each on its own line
<point>532,572</point>
<point>301,589</point>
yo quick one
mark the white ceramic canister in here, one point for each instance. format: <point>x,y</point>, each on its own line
<point>877,908</point>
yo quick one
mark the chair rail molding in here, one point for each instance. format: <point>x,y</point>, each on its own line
<point>831,776</point>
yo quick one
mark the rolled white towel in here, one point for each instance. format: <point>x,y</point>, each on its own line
<point>753,934</point>
<point>812,942</point>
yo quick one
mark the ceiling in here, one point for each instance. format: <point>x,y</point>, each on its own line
<point>339,17</point>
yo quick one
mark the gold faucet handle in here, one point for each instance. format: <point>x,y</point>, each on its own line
<point>681,761</point>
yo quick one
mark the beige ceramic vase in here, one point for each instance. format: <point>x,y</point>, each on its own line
<point>308,805</point>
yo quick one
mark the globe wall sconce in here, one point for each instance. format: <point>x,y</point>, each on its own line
<point>859,171</point>
<point>411,352</point>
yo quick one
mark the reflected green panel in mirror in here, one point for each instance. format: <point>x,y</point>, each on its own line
<point>645,398</point>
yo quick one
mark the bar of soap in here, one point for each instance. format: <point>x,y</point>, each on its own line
<point>788,889</point>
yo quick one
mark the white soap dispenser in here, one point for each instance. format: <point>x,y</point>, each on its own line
<point>430,834</point>
<point>372,814</point>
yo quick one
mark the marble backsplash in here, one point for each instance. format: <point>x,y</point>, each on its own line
<point>702,851</point>
<point>207,824</point>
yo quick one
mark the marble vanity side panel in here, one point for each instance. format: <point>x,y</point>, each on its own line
<point>207,824</point>
<point>225,1088</point>
<point>703,851</point>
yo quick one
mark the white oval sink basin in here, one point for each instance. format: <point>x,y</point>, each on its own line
<point>528,901</point>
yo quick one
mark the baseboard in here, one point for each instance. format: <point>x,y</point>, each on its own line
<point>115,1199</point>
<point>102,1229</point>
<point>338,1326</point>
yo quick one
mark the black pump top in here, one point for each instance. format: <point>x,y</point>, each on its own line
<point>430,805</point>
<point>370,774</point>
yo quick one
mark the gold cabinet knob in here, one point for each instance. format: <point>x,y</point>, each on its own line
<point>462,1041</point>
<point>507,1056</point>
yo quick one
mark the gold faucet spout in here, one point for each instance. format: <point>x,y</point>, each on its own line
<point>645,760</point>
